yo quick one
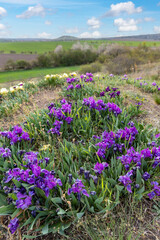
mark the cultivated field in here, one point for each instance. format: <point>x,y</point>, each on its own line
<point>80,158</point>
<point>42,47</point>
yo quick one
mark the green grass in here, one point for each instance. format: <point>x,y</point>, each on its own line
<point>42,47</point>
<point>36,73</point>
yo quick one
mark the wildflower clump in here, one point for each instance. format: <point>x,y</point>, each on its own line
<point>86,152</point>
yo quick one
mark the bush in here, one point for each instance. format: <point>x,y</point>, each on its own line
<point>22,64</point>
<point>122,64</point>
<point>44,60</point>
<point>72,57</point>
<point>12,52</point>
<point>10,65</point>
<point>94,67</point>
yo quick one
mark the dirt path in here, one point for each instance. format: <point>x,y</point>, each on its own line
<point>151,109</point>
<point>38,101</point>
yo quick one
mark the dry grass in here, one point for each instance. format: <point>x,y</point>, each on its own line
<point>37,101</point>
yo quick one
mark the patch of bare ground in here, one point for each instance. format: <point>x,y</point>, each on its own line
<point>146,70</point>
<point>151,113</point>
<point>37,101</point>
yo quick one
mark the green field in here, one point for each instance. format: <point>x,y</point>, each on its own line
<point>42,47</point>
<point>36,73</point>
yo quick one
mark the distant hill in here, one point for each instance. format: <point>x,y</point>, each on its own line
<point>62,38</point>
<point>146,37</point>
<point>66,38</point>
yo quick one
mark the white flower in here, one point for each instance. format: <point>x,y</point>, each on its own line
<point>65,75</point>
<point>19,88</point>
<point>11,89</point>
<point>3,91</point>
<point>47,77</point>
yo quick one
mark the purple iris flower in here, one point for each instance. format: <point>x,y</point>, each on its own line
<point>125,180</point>
<point>63,101</point>
<point>118,93</point>
<point>155,190</point>
<point>146,176</point>
<point>112,95</point>
<point>68,120</point>
<point>154,84</point>
<point>78,86</point>
<point>99,167</point>
<point>70,87</point>
<point>5,152</point>
<point>51,106</point>
<point>157,135</point>
<point>78,188</point>
<point>107,89</point>
<point>93,193</point>
<point>89,74</point>
<point>23,201</point>
<point>102,94</point>
<point>114,108</point>
<point>111,75</point>
<point>16,135</point>
<point>114,89</point>
<point>13,225</point>
<point>146,153</point>
<point>66,108</point>
<point>131,156</point>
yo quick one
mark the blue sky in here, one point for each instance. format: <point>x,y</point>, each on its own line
<point>79,18</point>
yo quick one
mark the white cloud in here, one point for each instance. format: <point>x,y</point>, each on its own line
<point>95,34</point>
<point>123,7</point>
<point>129,25</point>
<point>93,23</point>
<point>72,30</point>
<point>157,29</point>
<point>148,19</point>
<point>44,35</point>
<point>37,10</point>
<point>4,30</point>
<point>48,22</point>
<point>3,12</point>
<point>2,27</point>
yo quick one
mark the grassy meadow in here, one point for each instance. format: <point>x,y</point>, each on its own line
<point>6,77</point>
<point>42,47</point>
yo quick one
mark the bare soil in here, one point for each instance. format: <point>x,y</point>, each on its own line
<point>151,113</point>
<point>5,57</point>
<point>38,101</point>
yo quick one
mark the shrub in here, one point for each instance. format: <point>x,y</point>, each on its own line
<point>122,64</point>
<point>10,65</point>
<point>44,60</point>
<point>22,64</point>
<point>157,98</point>
<point>12,52</point>
<point>93,67</point>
